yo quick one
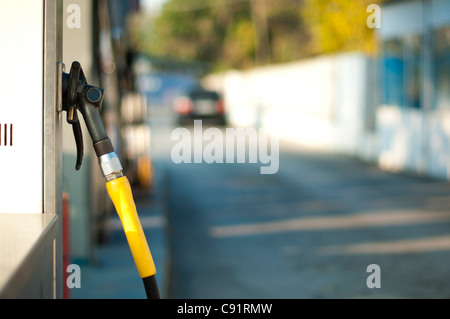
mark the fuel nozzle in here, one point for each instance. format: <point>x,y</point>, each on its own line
<point>78,95</point>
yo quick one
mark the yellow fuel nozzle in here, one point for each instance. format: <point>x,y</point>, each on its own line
<point>77,94</point>
<point>119,190</point>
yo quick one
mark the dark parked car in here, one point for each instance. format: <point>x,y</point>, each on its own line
<point>200,104</point>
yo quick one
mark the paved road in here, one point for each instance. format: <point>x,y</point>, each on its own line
<point>309,231</point>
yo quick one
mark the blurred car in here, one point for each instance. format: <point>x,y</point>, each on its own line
<point>201,104</point>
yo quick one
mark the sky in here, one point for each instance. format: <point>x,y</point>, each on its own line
<point>151,5</point>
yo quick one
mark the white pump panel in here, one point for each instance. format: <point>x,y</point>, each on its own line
<point>21,106</point>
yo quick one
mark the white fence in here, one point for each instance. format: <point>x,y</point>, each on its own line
<point>414,140</point>
<point>329,103</point>
<point>320,102</point>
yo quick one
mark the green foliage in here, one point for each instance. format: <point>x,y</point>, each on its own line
<point>226,33</point>
<point>339,25</point>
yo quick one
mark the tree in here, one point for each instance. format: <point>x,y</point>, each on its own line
<point>339,25</point>
<point>244,33</point>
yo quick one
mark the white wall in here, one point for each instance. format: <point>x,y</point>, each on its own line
<point>414,140</point>
<point>438,144</point>
<point>320,102</point>
<point>400,134</point>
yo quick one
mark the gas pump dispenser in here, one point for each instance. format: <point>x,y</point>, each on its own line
<point>78,95</point>
<point>35,90</point>
<point>31,236</point>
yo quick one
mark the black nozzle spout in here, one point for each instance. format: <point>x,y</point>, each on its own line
<point>90,102</point>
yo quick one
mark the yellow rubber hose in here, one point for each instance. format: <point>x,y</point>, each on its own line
<point>120,192</point>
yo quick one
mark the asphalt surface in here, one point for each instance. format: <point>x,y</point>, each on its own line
<point>309,231</point>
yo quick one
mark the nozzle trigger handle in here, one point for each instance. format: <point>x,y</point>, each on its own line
<point>72,85</point>
<point>76,128</point>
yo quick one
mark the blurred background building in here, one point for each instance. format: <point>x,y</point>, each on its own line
<point>412,121</point>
